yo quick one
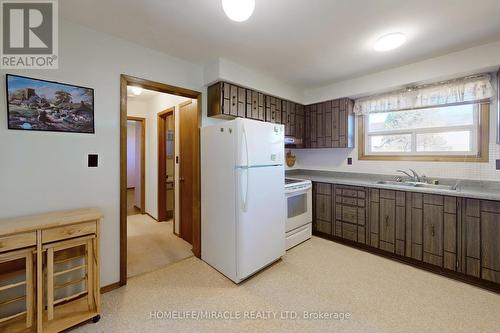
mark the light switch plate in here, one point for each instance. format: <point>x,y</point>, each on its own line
<point>92,161</point>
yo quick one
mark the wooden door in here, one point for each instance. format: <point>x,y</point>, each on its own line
<point>286,116</point>
<point>490,240</point>
<point>387,222</point>
<point>242,102</point>
<point>450,234</point>
<point>323,208</point>
<point>188,154</point>
<point>251,111</point>
<point>335,124</point>
<point>313,126</point>
<point>170,163</point>
<point>328,123</point>
<point>233,100</point>
<point>298,119</point>
<point>278,109</point>
<point>307,126</point>
<point>320,125</point>
<point>162,164</point>
<point>433,234</point>
<point>226,98</point>
<point>255,105</point>
<point>342,123</point>
<point>267,108</point>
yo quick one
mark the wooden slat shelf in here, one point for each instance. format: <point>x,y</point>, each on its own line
<point>12,300</point>
<point>64,285</point>
<point>68,259</point>
<point>69,298</point>
<point>4,319</point>
<point>69,270</point>
<point>13,285</point>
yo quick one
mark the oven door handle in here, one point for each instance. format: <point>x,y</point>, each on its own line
<point>296,193</point>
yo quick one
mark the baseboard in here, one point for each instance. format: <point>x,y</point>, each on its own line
<point>151,216</point>
<point>110,287</point>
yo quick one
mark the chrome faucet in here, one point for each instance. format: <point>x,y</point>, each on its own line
<point>416,177</point>
<point>406,173</point>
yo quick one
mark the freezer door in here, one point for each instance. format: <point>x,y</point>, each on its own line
<point>259,143</point>
<point>261,216</point>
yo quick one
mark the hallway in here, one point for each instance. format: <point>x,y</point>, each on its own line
<point>152,245</point>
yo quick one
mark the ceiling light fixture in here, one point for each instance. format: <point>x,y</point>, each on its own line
<point>238,10</point>
<point>136,91</point>
<point>389,42</point>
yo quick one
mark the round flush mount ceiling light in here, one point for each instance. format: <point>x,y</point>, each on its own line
<point>136,91</point>
<point>389,42</point>
<point>238,10</point>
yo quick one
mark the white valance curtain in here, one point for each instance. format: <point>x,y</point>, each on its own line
<point>468,89</point>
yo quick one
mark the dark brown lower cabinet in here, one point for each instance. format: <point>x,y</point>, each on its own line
<point>322,208</point>
<point>482,250</point>
<point>459,237</point>
<point>350,213</point>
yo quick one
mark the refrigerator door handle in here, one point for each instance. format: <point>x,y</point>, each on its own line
<point>246,143</point>
<point>244,188</point>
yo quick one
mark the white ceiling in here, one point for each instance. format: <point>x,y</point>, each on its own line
<point>145,96</point>
<point>303,42</point>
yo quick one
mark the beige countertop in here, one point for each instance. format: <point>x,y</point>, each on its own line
<point>477,189</point>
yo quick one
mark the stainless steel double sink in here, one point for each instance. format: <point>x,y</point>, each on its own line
<point>407,184</point>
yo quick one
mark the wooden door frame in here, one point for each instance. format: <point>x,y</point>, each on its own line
<point>162,165</point>
<point>126,80</point>
<point>142,121</point>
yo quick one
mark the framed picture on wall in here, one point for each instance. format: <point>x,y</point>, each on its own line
<point>40,105</point>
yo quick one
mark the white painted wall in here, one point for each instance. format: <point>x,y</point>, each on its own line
<point>43,171</point>
<point>223,69</point>
<point>131,154</point>
<point>137,161</point>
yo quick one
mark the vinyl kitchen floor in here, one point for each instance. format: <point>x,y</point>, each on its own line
<point>319,275</point>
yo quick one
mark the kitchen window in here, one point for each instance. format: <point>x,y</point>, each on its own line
<point>457,132</point>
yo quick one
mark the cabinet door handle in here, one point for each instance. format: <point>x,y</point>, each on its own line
<point>234,98</point>
<point>387,221</point>
<point>432,230</point>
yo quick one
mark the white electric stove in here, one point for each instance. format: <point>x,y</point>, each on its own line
<point>298,194</point>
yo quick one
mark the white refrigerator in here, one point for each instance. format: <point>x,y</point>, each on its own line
<point>243,207</point>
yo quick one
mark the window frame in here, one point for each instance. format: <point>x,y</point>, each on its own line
<point>479,131</point>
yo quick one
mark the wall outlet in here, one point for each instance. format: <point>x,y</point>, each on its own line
<point>92,161</point>
<point>349,161</point>
<point>498,164</point>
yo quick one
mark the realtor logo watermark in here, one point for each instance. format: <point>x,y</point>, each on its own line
<point>29,38</point>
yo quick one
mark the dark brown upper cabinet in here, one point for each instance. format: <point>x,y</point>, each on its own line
<point>298,122</point>
<point>330,124</point>
<point>255,105</point>
<point>226,100</point>
<point>273,109</point>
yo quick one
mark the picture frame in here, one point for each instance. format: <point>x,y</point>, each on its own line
<point>42,105</point>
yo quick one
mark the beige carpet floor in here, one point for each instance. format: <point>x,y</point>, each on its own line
<point>319,275</point>
<point>131,208</point>
<point>152,245</point>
